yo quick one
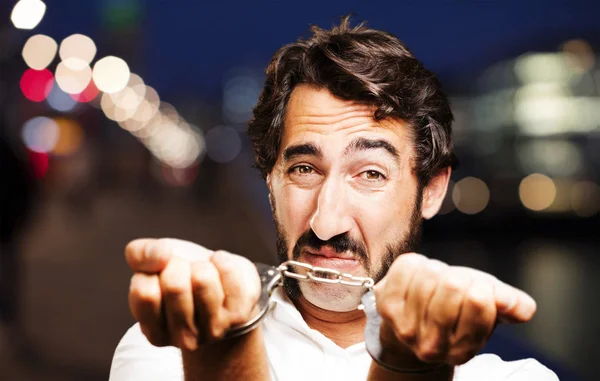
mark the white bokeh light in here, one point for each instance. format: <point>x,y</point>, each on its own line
<point>27,14</point>
<point>111,74</point>
<point>78,46</point>
<point>39,51</point>
<point>73,75</point>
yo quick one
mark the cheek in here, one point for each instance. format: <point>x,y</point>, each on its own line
<point>384,219</point>
<point>294,208</point>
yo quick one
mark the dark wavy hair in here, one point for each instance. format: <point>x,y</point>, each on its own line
<point>362,65</point>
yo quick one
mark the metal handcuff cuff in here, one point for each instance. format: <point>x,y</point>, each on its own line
<point>271,277</point>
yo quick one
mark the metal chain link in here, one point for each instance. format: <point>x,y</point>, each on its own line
<point>324,275</point>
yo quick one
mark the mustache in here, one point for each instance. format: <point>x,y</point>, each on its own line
<point>340,243</point>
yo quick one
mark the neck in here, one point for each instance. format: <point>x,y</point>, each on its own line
<point>343,328</point>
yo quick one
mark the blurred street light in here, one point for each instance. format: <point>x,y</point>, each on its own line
<point>111,74</point>
<point>537,192</point>
<point>39,51</point>
<point>27,14</point>
<point>78,46</point>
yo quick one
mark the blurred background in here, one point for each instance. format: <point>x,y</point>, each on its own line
<point>125,118</point>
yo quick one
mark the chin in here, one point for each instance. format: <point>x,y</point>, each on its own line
<point>332,297</point>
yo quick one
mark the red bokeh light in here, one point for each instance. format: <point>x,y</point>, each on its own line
<point>36,84</point>
<point>88,94</point>
<point>39,163</point>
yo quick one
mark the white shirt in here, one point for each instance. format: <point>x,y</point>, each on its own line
<point>297,352</point>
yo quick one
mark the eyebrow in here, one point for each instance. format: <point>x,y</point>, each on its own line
<point>359,144</point>
<point>364,144</point>
<point>304,149</point>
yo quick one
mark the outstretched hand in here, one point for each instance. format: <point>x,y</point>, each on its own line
<point>433,312</point>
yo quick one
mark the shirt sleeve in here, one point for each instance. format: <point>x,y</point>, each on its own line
<point>490,367</point>
<point>135,359</point>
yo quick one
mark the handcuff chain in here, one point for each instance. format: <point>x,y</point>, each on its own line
<point>324,275</point>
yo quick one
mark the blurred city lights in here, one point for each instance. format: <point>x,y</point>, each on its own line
<point>88,94</point>
<point>70,137</point>
<point>542,67</point>
<point>179,176</point>
<point>555,157</point>
<point>60,101</point>
<point>40,134</point>
<point>78,46</point>
<point>471,195</point>
<point>111,74</point>
<point>579,55</point>
<point>585,198</point>
<point>27,14</point>
<point>36,84</point>
<point>73,75</point>
<point>39,51</point>
<point>537,192</point>
<point>39,163</point>
<point>223,144</point>
<point>240,94</point>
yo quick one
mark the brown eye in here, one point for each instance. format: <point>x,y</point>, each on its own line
<point>303,169</point>
<point>373,175</point>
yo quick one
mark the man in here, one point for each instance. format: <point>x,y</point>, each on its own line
<point>353,137</point>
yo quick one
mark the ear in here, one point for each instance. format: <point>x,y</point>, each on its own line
<point>434,193</point>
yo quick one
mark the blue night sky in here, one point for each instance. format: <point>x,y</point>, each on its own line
<point>189,46</point>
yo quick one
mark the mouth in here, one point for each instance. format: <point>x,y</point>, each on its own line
<point>329,258</point>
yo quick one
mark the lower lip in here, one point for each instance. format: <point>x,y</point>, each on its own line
<point>330,262</point>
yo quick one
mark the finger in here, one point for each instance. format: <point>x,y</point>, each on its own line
<point>145,305</point>
<point>147,255</point>
<point>445,307</point>
<point>241,285</point>
<point>176,285</point>
<point>208,300</point>
<point>475,323</point>
<point>429,345</point>
<point>514,305</point>
<point>392,296</point>
<point>187,250</point>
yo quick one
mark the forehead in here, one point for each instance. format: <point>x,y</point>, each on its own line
<point>315,114</point>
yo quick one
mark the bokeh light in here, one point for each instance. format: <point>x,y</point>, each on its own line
<point>537,192</point>
<point>73,75</point>
<point>39,51</point>
<point>88,94</point>
<point>39,163</point>
<point>60,101</point>
<point>111,74</point>
<point>579,55</point>
<point>223,144</point>
<point>27,14</point>
<point>556,157</point>
<point>471,195</point>
<point>70,137</point>
<point>240,94</point>
<point>585,198</point>
<point>78,46</point>
<point>36,84</point>
<point>40,134</point>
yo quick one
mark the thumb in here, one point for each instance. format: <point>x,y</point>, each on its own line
<point>151,256</point>
<point>512,304</point>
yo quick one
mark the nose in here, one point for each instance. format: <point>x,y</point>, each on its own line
<point>333,214</point>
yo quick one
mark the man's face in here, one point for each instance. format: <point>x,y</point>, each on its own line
<point>343,192</point>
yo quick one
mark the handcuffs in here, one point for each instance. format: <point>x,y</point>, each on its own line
<point>272,277</point>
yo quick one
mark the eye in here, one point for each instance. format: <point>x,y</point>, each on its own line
<point>302,170</point>
<point>372,175</point>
